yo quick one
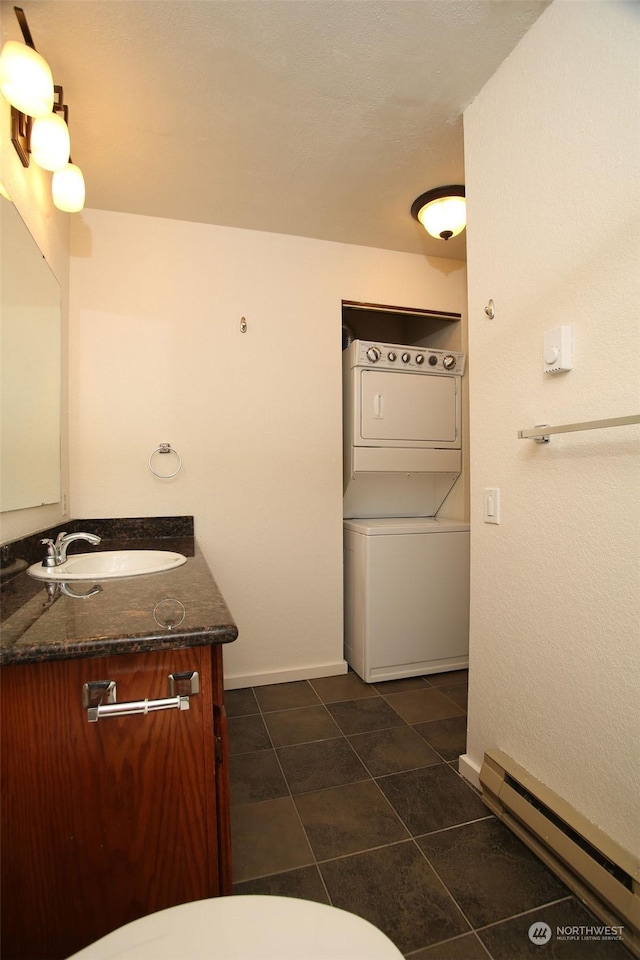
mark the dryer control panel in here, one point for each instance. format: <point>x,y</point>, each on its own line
<point>368,353</point>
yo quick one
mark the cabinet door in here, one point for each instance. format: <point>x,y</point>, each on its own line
<point>102,822</point>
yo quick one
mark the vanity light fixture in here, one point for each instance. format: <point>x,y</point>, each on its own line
<point>39,118</point>
<point>442,211</point>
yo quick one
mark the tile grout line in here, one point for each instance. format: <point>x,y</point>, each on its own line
<point>523,913</point>
<point>295,806</point>
<point>369,776</point>
<point>410,838</point>
<point>476,929</point>
<point>446,887</point>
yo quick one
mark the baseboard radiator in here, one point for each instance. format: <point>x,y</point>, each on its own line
<point>601,873</point>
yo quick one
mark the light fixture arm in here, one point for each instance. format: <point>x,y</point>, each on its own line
<point>58,105</point>
<point>21,135</point>
<point>24,26</point>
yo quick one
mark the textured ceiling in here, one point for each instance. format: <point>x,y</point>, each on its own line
<point>320,118</point>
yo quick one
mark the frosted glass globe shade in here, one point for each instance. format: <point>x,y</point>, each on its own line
<point>25,79</point>
<point>447,215</point>
<point>50,144</point>
<point>67,188</point>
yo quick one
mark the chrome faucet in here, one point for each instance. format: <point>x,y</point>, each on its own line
<point>57,552</point>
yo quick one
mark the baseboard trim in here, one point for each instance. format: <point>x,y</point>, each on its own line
<point>286,676</point>
<point>601,873</point>
<point>469,770</point>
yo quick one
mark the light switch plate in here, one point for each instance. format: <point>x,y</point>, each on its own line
<point>491,505</point>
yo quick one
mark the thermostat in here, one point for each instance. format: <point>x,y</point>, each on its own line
<point>558,350</point>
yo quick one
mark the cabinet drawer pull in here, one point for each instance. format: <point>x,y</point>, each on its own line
<point>136,706</point>
<point>99,699</point>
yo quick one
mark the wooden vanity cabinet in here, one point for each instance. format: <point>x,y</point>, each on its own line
<point>106,822</point>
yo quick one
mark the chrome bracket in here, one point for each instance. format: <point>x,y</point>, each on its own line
<point>544,439</point>
<point>99,697</point>
<point>95,694</point>
<point>184,684</point>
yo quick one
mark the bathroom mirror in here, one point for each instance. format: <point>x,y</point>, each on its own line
<point>30,358</point>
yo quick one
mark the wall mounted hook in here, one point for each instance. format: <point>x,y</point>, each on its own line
<point>243,325</point>
<point>490,310</point>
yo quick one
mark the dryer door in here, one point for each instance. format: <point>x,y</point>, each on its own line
<point>410,408</point>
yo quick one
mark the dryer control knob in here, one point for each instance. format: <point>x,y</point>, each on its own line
<point>448,362</point>
<point>392,356</point>
<point>373,354</point>
<point>406,357</point>
<point>433,360</point>
<point>419,358</point>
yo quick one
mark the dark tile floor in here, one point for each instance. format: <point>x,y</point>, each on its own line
<point>349,794</point>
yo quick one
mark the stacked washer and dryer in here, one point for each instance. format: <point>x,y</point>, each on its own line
<point>406,569</point>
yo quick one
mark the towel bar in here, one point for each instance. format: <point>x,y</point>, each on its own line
<point>541,432</point>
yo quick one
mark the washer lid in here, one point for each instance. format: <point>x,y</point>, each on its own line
<point>387,526</point>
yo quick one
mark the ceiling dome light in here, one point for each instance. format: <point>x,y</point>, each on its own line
<point>442,212</point>
<point>25,79</point>
<point>67,187</point>
<point>50,144</point>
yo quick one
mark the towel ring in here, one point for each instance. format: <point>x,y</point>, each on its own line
<point>165,448</point>
<point>169,613</point>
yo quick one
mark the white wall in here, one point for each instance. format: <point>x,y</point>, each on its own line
<point>30,191</point>
<point>552,146</point>
<point>157,356</point>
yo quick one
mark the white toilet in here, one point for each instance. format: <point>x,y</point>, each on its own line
<point>245,928</point>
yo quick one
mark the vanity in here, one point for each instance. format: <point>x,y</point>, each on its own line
<point>106,815</point>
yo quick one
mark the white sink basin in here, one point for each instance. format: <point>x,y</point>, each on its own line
<point>106,564</point>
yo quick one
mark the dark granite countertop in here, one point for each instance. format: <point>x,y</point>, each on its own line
<point>180,608</point>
